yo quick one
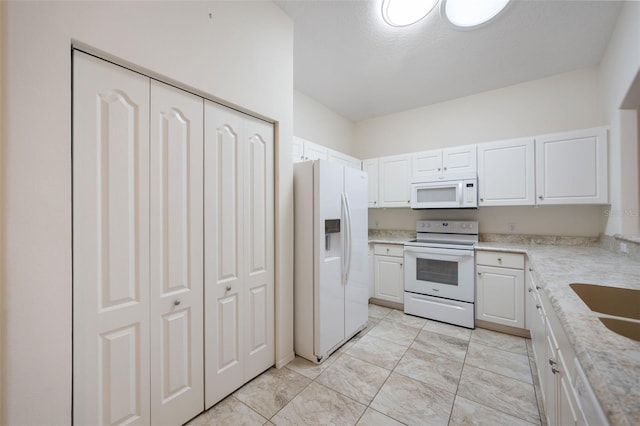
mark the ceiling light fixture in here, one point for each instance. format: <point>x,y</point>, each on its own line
<point>400,13</point>
<point>469,14</point>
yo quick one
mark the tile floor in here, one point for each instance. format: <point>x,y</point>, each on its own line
<point>400,370</point>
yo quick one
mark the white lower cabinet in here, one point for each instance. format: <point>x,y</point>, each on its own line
<point>500,288</point>
<point>389,272</point>
<point>558,368</point>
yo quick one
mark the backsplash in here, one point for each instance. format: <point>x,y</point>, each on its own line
<point>614,243</point>
<point>391,234</point>
<point>549,240</point>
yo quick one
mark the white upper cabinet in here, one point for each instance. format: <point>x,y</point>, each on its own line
<point>344,159</point>
<point>304,150</point>
<point>313,151</point>
<point>443,162</point>
<point>395,177</point>
<point>506,175</point>
<point>297,149</point>
<point>571,167</point>
<point>371,167</point>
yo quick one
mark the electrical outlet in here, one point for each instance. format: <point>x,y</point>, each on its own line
<point>624,248</point>
<point>511,228</point>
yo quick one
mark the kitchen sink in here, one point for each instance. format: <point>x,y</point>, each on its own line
<point>623,303</point>
<point>616,301</point>
<point>628,329</point>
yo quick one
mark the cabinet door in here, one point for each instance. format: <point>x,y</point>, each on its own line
<point>395,176</point>
<point>339,158</point>
<point>224,255</point>
<point>506,175</point>
<point>110,244</point>
<point>571,167</point>
<point>500,296</point>
<point>426,164</point>
<point>258,247</point>
<point>371,167</point>
<point>314,151</point>
<point>389,278</point>
<point>297,150</point>
<point>177,373</point>
<point>459,159</point>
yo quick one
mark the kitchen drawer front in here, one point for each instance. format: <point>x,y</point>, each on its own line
<point>389,250</point>
<point>500,259</point>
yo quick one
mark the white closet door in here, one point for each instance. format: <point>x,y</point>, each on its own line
<point>224,256</point>
<point>177,375</point>
<point>110,244</point>
<point>258,246</point>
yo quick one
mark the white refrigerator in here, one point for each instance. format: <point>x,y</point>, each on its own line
<point>331,260</point>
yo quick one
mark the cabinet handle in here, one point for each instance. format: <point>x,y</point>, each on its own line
<point>401,265</point>
<point>552,361</point>
<point>538,287</point>
<point>438,168</point>
<point>479,274</point>
<point>228,288</point>
<point>445,169</point>
<point>387,250</point>
<point>375,202</point>
<point>177,302</point>
<point>530,269</point>
<point>500,259</point>
<point>538,306</point>
<point>541,197</point>
<point>554,369</point>
<point>530,289</point>
<point>481,199</point>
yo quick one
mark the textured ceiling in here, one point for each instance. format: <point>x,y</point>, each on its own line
<point>346,57</point>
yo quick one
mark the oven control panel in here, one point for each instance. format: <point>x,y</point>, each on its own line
<point>448,226</point>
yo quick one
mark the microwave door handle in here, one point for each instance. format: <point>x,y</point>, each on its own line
<point>460,195</point>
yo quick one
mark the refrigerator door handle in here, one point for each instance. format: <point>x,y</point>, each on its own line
<point>348,239</point>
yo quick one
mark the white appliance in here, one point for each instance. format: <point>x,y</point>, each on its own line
<point>451,192</point>
<point>439,280</point>
<point>331,291</point>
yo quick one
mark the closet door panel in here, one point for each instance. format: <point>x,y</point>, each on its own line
<point>224,263</point>
<point>177,382</point>
<point>110,243</point>
<point>258,246</point>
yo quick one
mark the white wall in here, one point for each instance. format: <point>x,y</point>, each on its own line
<point>619,71</point>
<point>316,123</point>
<point>563,102</point>
<point>242,54</point>
<point>2,320</point>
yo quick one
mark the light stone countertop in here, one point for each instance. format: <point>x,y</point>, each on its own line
<point>611,362</point>
<point>384,236</point>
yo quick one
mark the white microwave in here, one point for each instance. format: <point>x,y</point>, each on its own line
<point>459,193</point>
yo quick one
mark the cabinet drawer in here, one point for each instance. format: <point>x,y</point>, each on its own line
<point>501,260</point>
<point>389,250</point>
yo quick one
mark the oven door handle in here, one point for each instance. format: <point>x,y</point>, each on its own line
<point>433,250</point>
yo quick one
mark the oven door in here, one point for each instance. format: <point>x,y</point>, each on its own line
<point>440,272</point>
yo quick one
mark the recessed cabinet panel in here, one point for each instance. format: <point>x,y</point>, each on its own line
<point>506,174</point>
<point>389,278</point>
<point>229,334</point>
<point>371,167</point>
<point>572,167</point>
<point>257,206</point>
<point>116,173</point>
<point>259,319</point>
<point>120,376</point>
<point>226,152</point>
<point>426,164</point>
<point>459,159</point>
<point>395,177</point>
<point>176,354</point>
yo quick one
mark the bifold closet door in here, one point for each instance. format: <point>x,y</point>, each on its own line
<point>110,244</point>
<point>239,267</point>
<point>177,375</point>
